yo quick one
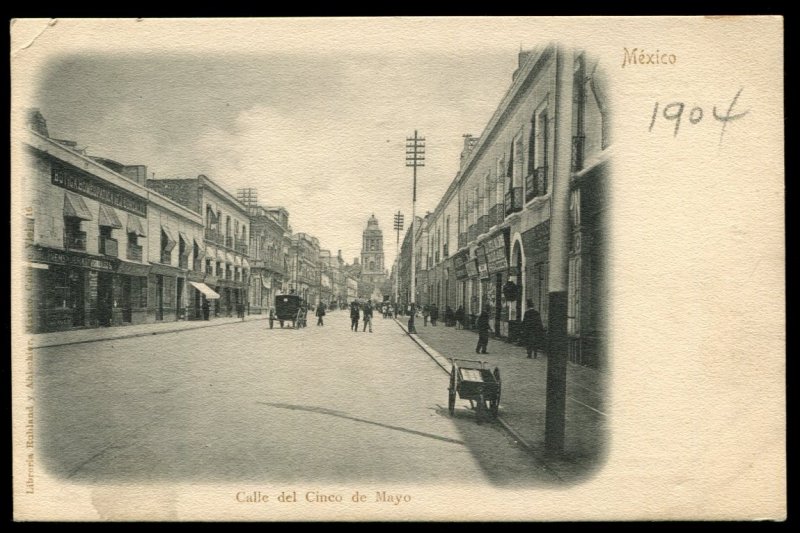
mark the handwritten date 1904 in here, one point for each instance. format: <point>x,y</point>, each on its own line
<point>675,111</point>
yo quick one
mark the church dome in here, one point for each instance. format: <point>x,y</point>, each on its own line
<point>372,222</point>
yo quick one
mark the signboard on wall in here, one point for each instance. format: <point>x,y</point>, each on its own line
<point>483,263</point>
<point>495,249</point>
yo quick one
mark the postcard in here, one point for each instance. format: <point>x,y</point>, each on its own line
<point>398,269</point>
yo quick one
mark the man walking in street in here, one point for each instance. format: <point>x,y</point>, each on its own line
<point>368,316</point>
<point>354,316</point>
<point>320,313</point>
<point>434,314</point>
<point>460,317</point>
<point>426,311</point>
<point>532,330</point>
<point>483,332</point>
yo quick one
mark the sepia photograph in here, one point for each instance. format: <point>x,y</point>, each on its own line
<point>196,221</point>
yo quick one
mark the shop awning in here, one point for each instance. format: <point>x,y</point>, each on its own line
<point>266,282</point>
<point>108,217</point>
<point>135,226</point>
<point>171,242</point>
<point>205,289</point>
<point>75,207</point>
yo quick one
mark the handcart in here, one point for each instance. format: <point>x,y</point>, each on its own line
<point>473,381</point>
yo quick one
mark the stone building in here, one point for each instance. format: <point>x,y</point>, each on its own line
<point>102,248</point>
<point>225,257</point>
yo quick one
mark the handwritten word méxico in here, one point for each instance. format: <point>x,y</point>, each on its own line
<point>674,111</point>
<point>640,57</point>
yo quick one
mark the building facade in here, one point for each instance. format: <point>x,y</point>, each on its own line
<point>225,257</point>
<point>268,260</point>
<point>524,220</point>
<point>102,249</point>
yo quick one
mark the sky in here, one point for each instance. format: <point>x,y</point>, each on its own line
<point>321,134</point>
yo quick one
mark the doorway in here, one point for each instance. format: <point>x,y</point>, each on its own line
<point>159,297</point>
<point>126,299</point>
<point>105,297</point>
<point>179,306</point>
<point>76,297</point>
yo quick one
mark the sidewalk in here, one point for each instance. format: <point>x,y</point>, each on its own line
<point>77,336</point>
<point>522,400</point>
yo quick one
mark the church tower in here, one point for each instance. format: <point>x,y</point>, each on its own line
<point>372,267</point>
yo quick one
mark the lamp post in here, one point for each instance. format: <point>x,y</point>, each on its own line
<point>415,157</point>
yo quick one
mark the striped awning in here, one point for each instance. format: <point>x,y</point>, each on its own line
<point>75,207</point>
<point>135,226</point>
<point>108,217</point>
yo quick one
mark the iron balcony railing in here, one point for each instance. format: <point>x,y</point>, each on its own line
<point>483,224</point>
<point>513,200</point>
<point>134,252</point>
<point>109,246</point>
<point>75,240</point>
<point>166,257</point>
<point>214,236</point>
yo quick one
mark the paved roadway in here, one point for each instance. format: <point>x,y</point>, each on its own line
<point>243,403</point>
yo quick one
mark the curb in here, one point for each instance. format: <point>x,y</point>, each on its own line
<point>437,358</point>
<point>143,334</point>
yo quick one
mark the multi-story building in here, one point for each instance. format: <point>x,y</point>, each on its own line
<point>269,264</point>
<point>304,265</point>
<point>225,258</point>
<point>524,219</point>
<point>103,249</point>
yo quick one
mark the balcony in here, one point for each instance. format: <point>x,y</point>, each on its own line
<point>536,183</point>
<point>197,265</point>
<point>578,148</point>
<point>241,248</point>
<point>229,242</point>
<point>214,236</point>
<point>134,252</point>
<point>462,240</point>
<point>472,233</point>
<point>513,200</point>
<point>75,241</point>
<point>483,224</point>
<point>495,215</point>
<point>166,257</point>
<point>109,247</point>
<point>183,261</point>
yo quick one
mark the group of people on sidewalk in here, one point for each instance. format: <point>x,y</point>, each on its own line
<point>533,334</point>
<point>451,318</point>
<point>358,311</point>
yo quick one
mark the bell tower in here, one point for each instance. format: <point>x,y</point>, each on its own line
<point>372,267</point>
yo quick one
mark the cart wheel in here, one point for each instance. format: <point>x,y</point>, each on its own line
<point>451,396</point>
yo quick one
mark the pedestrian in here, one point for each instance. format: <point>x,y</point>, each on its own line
<point>354,316</point>
<point>368,316</point>
<point>448,316</point>
<point>411,314</point>
<point>460,317</point>
<point>206,308</point>
<point>532,331</point>
<point>272,317</point>
<point>426,312</point>
<point>320,313</point>
<point>483,332</point>
<point>434,314</point>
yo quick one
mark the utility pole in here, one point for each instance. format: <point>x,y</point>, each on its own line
<point>398,226</point>
<point>415,157</point>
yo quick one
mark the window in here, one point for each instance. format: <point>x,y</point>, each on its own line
<point>574,297</point>
<point>74,238</point>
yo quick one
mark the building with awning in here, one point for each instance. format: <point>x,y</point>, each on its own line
<point>205,290</point>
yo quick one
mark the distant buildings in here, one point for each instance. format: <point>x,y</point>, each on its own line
<point>106,246</point>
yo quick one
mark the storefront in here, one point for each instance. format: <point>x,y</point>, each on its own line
<point>69,289</point>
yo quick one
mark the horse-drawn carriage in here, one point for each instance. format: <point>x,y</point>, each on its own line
<point>289,307</point>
